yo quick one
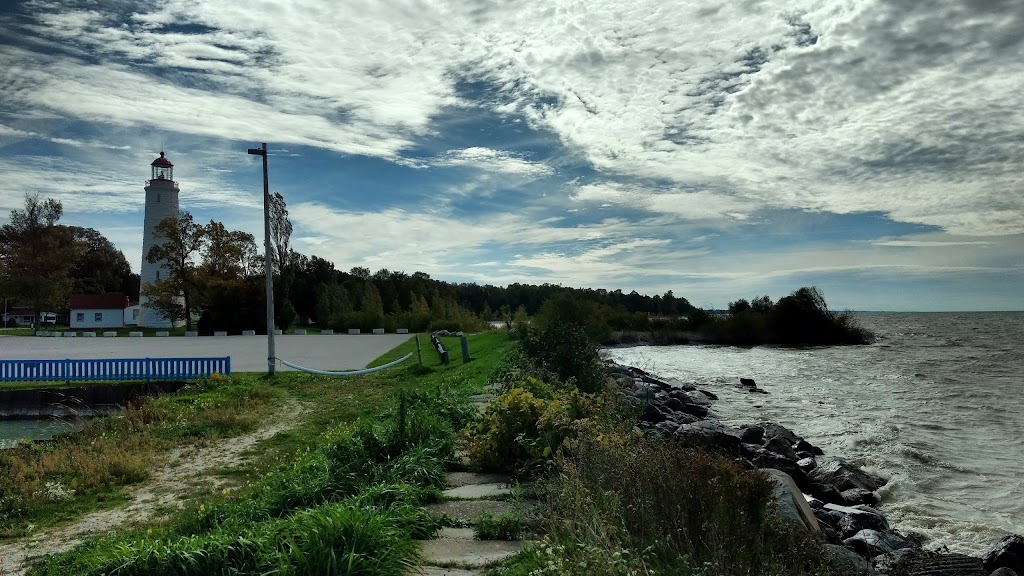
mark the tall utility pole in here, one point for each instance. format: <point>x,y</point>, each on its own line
<point>262,151</point>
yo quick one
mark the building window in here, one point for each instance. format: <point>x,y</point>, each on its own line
<point>98,317</point>
<point>80,317</point>
<point>135,313</point>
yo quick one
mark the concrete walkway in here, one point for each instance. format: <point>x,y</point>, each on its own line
<point>248,353</point>
<point>455,552</point>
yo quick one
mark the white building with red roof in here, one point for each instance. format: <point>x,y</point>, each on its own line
<point>97,311</point>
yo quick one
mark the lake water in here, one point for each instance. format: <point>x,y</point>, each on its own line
<point>936,405</point>
<point>13,430</point>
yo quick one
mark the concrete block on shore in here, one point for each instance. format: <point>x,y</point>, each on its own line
<point>110,334</point>
<point>278,332</point>
<point>191,333</point>
<point>162,333</point>
<point>248,332</point>
<point>300,332</point>
<point>327,332</point>
<point>88,334</point>
<point>378,330</point>
<point>353,331</point>
<point>402,331</point>
<point>70,334</point>
<point>135,334</point>
<point>220,333</point>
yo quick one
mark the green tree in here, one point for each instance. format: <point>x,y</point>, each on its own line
<point>36,255</point>
<point>100,267</point>
<point>227,253</point>
<point>182,240</point>
<point>372,311</point>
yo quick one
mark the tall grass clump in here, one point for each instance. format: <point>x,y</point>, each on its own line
<point>622,503</point>
<point>341,538</point>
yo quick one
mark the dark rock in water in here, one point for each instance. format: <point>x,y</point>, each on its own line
<point>779,446</point>
<point>802,445</point>
<point>752,434</point>
<point>1003,572</point>
<point>873,543</point>
<point>838,474</point>
<point>806,464</point>
<point>757,391</point>
<point>1008,553</point>
<point>772,430</point>
<point>749,382</point>
<point>855,496</point>
<point>696,398</point>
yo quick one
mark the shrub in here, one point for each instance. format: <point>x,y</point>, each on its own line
<point>563,350</point>
<point>668,509</point>
<point>517,428</point>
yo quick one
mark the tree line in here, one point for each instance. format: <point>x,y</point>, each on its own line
<point>43,262</point>
<point>217,275</point>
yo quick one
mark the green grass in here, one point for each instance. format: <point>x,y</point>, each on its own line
<point>509,526</point>
<point>358,457</point>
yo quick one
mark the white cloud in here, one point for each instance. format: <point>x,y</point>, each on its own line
<point>495,161</point>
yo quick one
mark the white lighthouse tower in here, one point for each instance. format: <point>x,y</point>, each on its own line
<point>161,202</point>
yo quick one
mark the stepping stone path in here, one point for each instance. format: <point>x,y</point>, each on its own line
<point>455,552</point>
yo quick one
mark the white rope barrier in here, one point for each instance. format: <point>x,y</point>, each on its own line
<point>348,373</point>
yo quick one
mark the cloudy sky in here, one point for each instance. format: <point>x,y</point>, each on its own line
<point>718,149</point>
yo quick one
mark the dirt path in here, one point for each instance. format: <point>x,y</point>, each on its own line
<point>187,472</point>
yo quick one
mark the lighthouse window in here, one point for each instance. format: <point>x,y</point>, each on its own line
<point>157,196</point>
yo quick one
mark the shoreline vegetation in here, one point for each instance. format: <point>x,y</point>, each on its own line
<point>619,490</point>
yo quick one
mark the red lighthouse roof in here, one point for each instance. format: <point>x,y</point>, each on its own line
<point>161,161</point>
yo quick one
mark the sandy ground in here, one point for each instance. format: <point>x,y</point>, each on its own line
<point>186,471</point>
<point>248,353</point>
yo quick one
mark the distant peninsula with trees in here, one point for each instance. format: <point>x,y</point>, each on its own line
<point>215,275</point>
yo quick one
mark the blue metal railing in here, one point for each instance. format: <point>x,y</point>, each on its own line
<point>120,369</point>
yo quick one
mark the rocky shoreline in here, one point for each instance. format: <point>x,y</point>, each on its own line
<point>825,495</point>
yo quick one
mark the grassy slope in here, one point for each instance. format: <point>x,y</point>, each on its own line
<point>102,462</point>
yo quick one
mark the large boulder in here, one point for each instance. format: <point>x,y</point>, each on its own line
<point>790,503</point>
<point>710,434</point>
<point>780,446</point>
<point>855,496</point>
<point>874,543</point>
<point>1004,571</point>
<point>848,521</point>
<point>838,474</point>
<point>1008,553</point>
<point>848,563</point>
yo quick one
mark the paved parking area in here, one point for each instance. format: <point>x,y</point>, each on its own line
<point>248,353</point>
